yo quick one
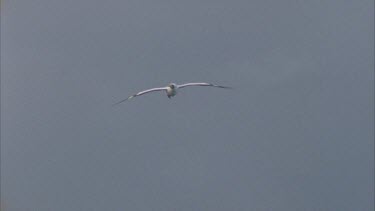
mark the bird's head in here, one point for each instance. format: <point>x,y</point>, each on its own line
<point>172,85</point>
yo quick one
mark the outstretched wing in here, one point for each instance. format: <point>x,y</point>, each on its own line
<point>142,93</point>
<point>202,84</point>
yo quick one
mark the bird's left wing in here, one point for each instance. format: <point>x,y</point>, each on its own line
<point>202,84</point>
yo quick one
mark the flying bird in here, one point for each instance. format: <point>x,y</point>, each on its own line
<point>171,89</point>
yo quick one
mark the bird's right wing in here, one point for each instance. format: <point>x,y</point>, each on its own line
<point>142,93</point>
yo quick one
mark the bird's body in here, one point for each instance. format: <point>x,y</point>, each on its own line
<point>171,89</point>
<point>171,92</point>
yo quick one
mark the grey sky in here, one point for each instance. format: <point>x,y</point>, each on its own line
<point>296,133</point>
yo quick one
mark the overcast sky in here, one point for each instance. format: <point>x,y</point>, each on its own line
<point>295,133</point>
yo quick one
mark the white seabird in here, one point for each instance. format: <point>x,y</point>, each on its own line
<point>171,89</point>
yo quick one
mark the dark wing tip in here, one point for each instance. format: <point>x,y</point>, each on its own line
<point>124,100</point>
<point>224,87</point>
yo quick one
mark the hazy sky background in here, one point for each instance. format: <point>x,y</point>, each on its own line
<point>296,133</point>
